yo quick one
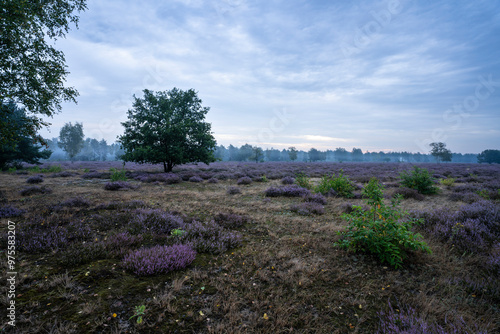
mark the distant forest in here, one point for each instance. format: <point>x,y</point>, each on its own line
<point>100,150</point>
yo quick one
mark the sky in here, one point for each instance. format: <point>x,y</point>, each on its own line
<point>392,75</point>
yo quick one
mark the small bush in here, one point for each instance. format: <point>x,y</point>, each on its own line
<point>195,179</point>
<point>288,180</point>
<point>303,181</point>
<point>52,169</point>
<point>213,180</point>
<point>384,231</point>
<point>233,190</point>
<point>244,180</point>
<point>287,191</point>
<point>28,191</point>
<point>159,259</point>
<point>35,179</point>
<point>113,186</point>
<point>39,240</point>
<point>408,193</point>
<point>449,182</point>
<point>96,175</point>
<point>118,175</point>
<point>340,184</point>
<point>419,179</point>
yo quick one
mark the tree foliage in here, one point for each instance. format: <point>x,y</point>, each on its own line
<point>489,156</point>
<point>440,152</point>
<point>292,153</point>
<point>18,147</point>
<point>168,127</point>
<point>32,72</point>
<point>71,139</point>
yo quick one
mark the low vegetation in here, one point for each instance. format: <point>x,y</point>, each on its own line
<point>164,254</point>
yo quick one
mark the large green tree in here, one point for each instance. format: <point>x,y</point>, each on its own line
<point>71,139</point>
<point>489,156</point>
<point>168,127</point>
<point>32,72</point>
<point>440,152</point>
<point>19,147</point>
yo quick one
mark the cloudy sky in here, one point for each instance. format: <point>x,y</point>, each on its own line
<point>386,75</point>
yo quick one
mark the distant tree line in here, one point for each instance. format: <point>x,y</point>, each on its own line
<point>252,153</point>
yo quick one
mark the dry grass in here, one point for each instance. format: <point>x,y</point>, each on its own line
<point>286,278</point>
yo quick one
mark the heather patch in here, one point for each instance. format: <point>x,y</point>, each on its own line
<point>195,179</point>
<point>8,211</point>
<point>230,220</point>
<point>308,208</point>
<point>117,185</point>
<point>408,193</point>
<point>152,221</point>
<point>35,179</point>
<point>244,180</point>
<point>159,259</point>
<point>233,190</point>
<point>34,190</point>
<point>209,237</point>
<point>287,191</point>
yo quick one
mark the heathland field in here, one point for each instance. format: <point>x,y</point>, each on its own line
<point>251,248</point>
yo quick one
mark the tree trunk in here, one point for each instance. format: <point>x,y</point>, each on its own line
<point>167,166</point>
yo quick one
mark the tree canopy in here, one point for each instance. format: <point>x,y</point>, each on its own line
<point>489,156</point>
<point>19,147</point>
<point>168,127</point>
<point>32,72</point>
<point>440,152</point>
<point>71,139</point>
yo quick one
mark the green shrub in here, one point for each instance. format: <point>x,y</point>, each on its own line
<point>449,182</point>
<point>52,169</point>
<point>340,184</point>
<point>419,179</point>
<point>483,193</point>
<point>303,181</point>
<point>117,175</point>
<point>382,230</point>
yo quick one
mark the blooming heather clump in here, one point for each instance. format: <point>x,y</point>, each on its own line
<point>308,208</point>
<point>195,179</point>
<point>159,259</point>
<point>117,185</point>
<point>209,237</point>
<point>35,179</point>
<point>96,175</point>
<point>213,180</point>
<point>38,240</point>
<point>287,191</point>
<point>473,228</point>
<point>10,211</point>
<point>28,191</point>
<point>153,221</point>
<point>316,198</point>
<point>244,180</point>
<point>466,197</point>
<point>405,320</point>
<point>288,180</point>
<point>119,244</point>
<point>233,190</point>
